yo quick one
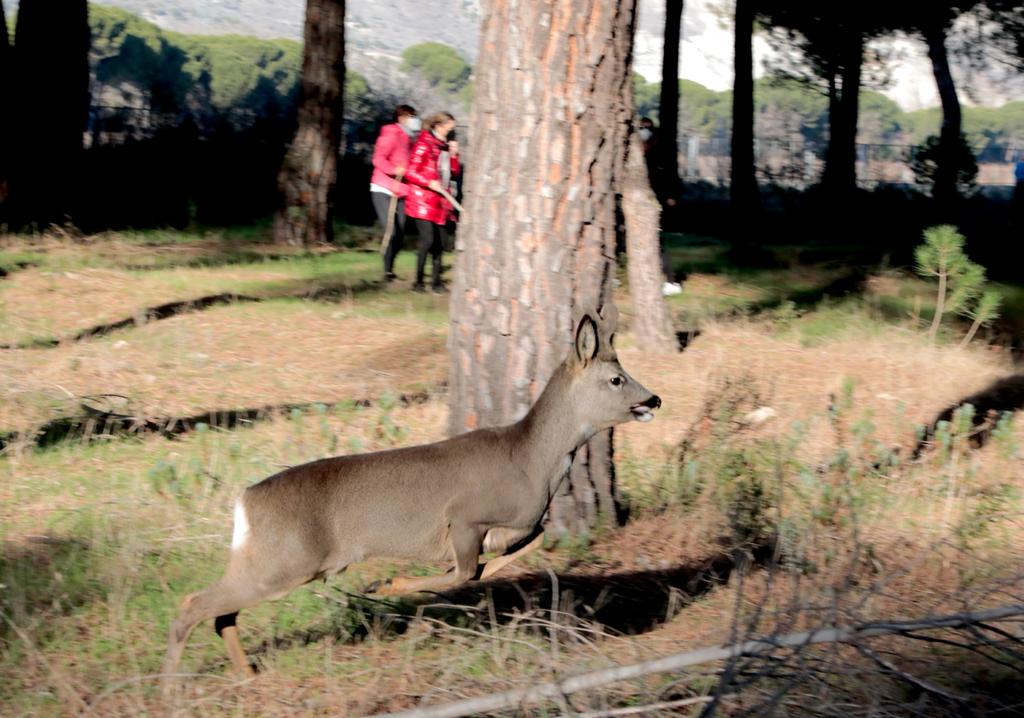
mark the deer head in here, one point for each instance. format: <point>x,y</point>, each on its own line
<point>605,393</point>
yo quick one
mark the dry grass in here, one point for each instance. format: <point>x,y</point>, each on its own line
<point>105,280</point>
<point>237,356</point>
<point>898,378</point>
<point>90,297</point>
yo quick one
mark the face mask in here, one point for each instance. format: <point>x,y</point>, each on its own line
<point>413,124</point>
<point>645,134</point>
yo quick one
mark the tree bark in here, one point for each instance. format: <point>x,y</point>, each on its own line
<point>840,174</point>
<point>51,109</point>
<point>743,191</point>
<point>668,111</point>
<point>309,171</point>
<point>554,110</point>
<point>945,187</point>
<point>651,324</point>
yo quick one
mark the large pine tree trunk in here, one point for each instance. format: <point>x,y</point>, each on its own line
<point>945,188</point>
<point>51,108</point>
<point>840,175</point>
<point>743,181</point>
<point>552,119</point>
<point>310,167</point>
<point>668,112</point>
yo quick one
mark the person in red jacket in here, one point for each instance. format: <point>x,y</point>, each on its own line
<point>390,159</point>
<point>433,166</point>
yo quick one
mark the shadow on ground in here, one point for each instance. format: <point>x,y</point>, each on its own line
<point>1000,397</point>
<point>627,603</point>
<point>42,575</point>
<point>97,421</point>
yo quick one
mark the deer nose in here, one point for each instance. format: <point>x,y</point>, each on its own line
<point>654,402</point>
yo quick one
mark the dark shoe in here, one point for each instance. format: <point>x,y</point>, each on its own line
<point>390,276</point>
<point>439,289</point>
<point>419,288</point>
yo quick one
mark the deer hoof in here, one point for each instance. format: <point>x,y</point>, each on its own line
<point>378,587</point>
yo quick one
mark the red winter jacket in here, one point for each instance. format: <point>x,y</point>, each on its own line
<point>423,203</point>
<point>390,153</point>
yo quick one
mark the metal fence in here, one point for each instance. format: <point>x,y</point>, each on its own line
<point>792,163</point>
<point>799,164</point>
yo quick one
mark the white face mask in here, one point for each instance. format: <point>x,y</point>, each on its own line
<point>645,134</point>
<point>412,125</point>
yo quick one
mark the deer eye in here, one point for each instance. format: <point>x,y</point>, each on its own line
<point>618,381</point>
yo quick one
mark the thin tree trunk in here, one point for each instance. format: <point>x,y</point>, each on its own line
<point>940,307</point>
<point>309,171</point>
<point>668,112</point>
<point>552,118</point>
<point>743,187</point>
<point>51,109</point>
<point>840,174</point>
<point>651,325</point>
<point>945,187</point>
<point>834,120</point>
<point>975,326</point>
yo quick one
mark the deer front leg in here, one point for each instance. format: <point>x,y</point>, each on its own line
<point>496,564</point>
<point>466,547</point>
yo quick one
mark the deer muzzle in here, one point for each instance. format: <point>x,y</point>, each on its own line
<point>644,411</point>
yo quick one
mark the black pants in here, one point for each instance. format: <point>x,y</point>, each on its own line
<point>432,241</point>
<point>381,203</point>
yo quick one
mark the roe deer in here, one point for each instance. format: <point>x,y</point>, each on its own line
<point>487,490</point>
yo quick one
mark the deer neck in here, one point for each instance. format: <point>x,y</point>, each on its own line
<point>552,431</point>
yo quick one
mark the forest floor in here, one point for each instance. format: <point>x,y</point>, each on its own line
<point>858,500</point>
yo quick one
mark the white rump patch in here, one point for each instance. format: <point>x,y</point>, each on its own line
<point>241,534</point>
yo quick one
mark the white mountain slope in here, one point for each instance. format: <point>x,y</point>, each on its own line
<point>378,30</point>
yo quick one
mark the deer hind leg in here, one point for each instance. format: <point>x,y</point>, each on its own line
<point>496,564</point>
<point>221,599</point>
<point>228,631</point>
<point>465,543</point>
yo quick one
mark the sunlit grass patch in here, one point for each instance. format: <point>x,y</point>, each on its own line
<point>236,356</point>
<point>94,296</point>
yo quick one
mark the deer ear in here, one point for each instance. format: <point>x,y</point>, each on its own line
<point>586,340</point>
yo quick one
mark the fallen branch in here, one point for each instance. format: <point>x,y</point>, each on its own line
<point>649,708</point>
<point>678,661</point>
